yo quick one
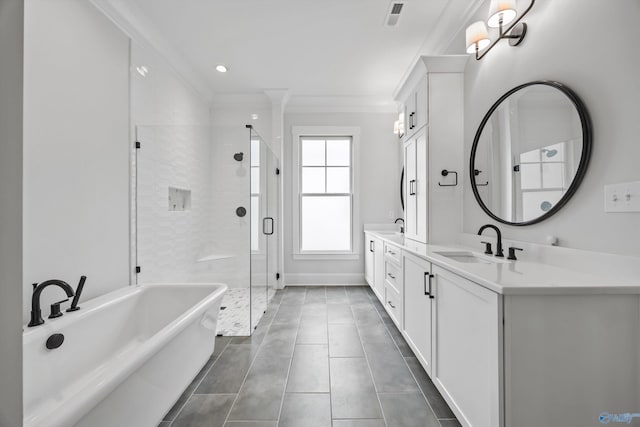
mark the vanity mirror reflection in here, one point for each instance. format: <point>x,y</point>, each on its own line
<point>530,153</point>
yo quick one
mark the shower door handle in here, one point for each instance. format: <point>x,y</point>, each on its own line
<point>266,220</point>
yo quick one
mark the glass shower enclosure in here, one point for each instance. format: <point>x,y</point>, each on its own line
<point>265,196</point>
<point>206,208</point>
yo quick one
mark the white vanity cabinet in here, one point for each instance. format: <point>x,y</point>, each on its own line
<point>415,108</point>
<point>416,188</point>
<point>432,96</point>
<point>467,348</point>
<point>374,264</point>
<point>539,346</point>
<point>369,259</point>
<point>418,312</point>
<point>454,327</point>
<point>394,284</point>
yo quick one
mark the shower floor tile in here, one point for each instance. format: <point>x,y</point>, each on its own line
<point>234,318</point>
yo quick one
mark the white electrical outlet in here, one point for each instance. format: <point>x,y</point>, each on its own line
<point>391,215</point>
<point>624,197</point>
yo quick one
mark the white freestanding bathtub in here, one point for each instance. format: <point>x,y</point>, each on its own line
<point>126,356</point>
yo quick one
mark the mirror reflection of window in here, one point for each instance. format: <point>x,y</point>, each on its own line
<point>544,178</point>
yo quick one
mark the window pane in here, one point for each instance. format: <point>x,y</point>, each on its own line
<point>553,153</point>
<point>255,152</point>
<point>530,175</point>
<point>552,175</point>
<point>255,223</point>
<point>312,152</point>
<point>537,203</point>
<point>313,180</point>
<point>255,180</point>
<point>326,223</point>
<point>338,152</point>
<point>338,180</point>
<point>530,156</point>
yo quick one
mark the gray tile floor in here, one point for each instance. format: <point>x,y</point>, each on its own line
<point>320,356</point>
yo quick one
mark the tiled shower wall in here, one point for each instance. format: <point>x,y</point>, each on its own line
<point>171,242</point>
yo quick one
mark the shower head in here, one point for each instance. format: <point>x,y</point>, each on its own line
<point>550,153</point>
<point>238,156</point>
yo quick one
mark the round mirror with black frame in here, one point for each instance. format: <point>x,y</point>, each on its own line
<point>530,153</point>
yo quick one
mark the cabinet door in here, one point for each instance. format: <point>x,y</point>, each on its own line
<point>410,114</point>
<point>410,186</point>
<point>467,348</point>
<point>421,94</point>
<point>378,268</point>
<point>417,308</point>
<point>421,187</point>
<point>369,274</point>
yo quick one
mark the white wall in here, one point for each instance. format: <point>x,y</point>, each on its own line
<point>379,177</point>
<point>172,123</point>
<point>11,52</point>
<point>592,48</point>
<point>76,151</point>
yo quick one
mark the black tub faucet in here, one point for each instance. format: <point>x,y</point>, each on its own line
<point>499,252</point>
<point>402,226</point>
<point>36,313</point>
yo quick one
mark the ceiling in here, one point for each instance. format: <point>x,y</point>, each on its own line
<point>326,48</point>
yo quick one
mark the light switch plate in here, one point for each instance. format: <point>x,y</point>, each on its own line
<point>624,197</point>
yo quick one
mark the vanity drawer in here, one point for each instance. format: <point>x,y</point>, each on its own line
<point>393,275</point>
<point>393,253</point>
<point>393,305</point>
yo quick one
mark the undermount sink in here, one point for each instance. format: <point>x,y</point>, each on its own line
<point>469,257</point>
<point>394,236</point>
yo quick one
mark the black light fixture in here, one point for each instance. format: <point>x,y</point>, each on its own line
<point>501,13</point>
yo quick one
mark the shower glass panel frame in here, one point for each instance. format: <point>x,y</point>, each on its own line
<point>186,228</point>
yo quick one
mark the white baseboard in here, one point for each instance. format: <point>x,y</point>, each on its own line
<point>324,279</point>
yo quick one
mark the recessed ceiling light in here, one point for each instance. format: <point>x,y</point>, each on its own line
<point>221,69</point>
<point>254,117</point>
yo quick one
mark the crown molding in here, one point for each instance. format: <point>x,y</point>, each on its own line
<point>240,100</point>
<point>341,104</point>
<point>126,16</point>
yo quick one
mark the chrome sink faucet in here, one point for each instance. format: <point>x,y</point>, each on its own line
<point>499,252</point>
<point>402,226</point>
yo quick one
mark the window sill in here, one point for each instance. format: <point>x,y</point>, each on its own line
<point>345,256</point>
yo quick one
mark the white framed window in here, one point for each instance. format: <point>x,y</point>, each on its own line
<point>325,192</point>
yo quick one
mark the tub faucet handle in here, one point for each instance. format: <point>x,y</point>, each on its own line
<point>76,297</point>
<point>55,309</point>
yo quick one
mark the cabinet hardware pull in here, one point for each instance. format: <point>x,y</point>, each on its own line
<point>391,275</point>
<point>426,292</point>
<point>392,306</point>
<point>430,291</point>
<point>371,247</point>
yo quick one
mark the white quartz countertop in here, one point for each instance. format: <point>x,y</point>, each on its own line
<point>514,277</point>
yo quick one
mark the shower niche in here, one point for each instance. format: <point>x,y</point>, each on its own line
<point>179,199</point>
